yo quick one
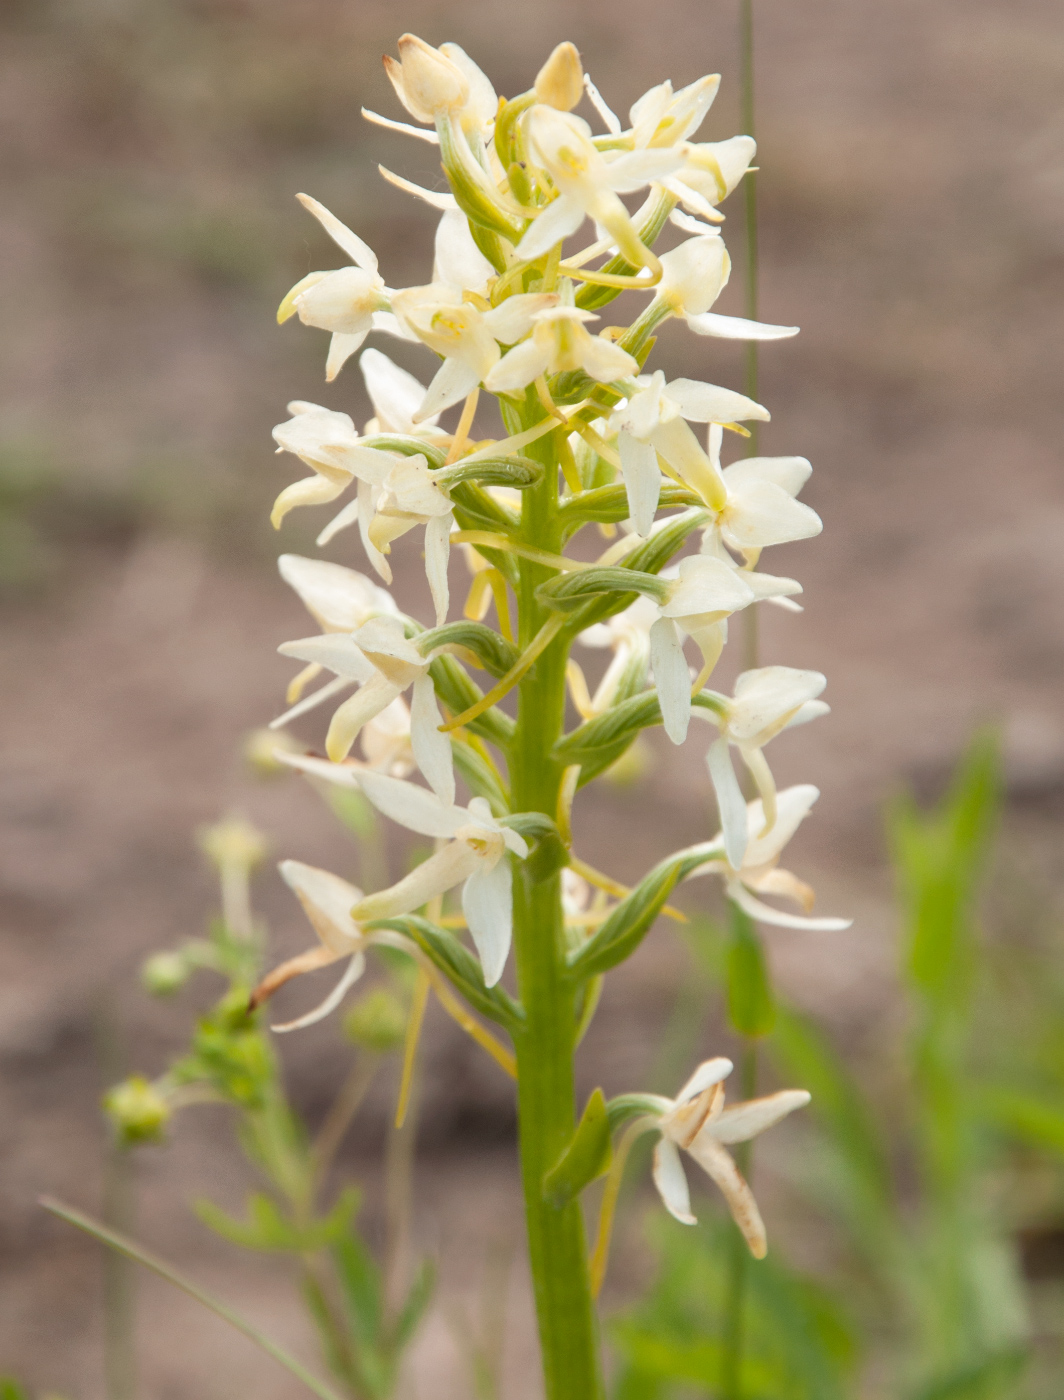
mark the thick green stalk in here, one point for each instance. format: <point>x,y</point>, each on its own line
<point>545,1044</point>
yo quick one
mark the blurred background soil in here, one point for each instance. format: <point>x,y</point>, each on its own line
<point>912,202</point>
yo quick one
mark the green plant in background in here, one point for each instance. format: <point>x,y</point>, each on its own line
<point>231,1060</point>
<point>927,1289</point>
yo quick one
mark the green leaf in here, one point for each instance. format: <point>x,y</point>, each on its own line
<point>568,592</point>
<point>413,1309</point>
<point>609,504</point>
<point>588,1155</point>
<point>619,936</point>
<point>267,1229</point>
<point>361,1288</point>
<point>620,723</point>
<point>407,446</point>
<point>458,965</point>
<point>492,651</point>
<point>517,472</point>
<point>751,1005</point>
<point>1030,1118</point>
<point>989,1379</point>
<point>459,693</point>
<point>11,1390</point>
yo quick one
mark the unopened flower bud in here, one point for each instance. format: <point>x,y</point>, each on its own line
<point>425,80</point>
<point>232,844</point>
<point>377,1021</point>
<point>560,82</point>
<point>261,748</point>
<point>164,974</point>
<point>138,1111</point>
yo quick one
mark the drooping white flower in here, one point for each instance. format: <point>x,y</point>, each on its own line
<point>693,277</point>
<point>465,335</point>
<point>697,1122</point>
<point>760,872</point>
<point>702,593</point>
<point>344,301</point>
<point>475,857</point>
<point>654,420</point>
<point>385,663</point>
<point>765,702</point>
<point>588,184</point>
<point>711,170</point>
<point>560,342</point>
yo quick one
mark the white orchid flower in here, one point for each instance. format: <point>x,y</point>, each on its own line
<point>560,342</point>
<point>328,443</point>
<point>465,335</point>
<point>654,420</point>
<point>435,82</point>
<point>346,301</point>
<point>765,702</point>
<point>339,600</point>
<point>588,184</point>
<point>711,170</point>
<point>697,1122</point>
<point>327,901</point>
<point>693,277</point>
<point>760,507</point>
<point>702,593</point>
<point>409,497</point>
<point>385,663</point>
<point>759,872</point>
<point>662,118</point>
<point>475,857</point>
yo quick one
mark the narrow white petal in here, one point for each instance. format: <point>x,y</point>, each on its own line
<point>361,254</point>
<point>412,806</point>
<point>347,721</point>
<point>778,918</point>
<point>421,132</point>
<point>341,774</point>
<point>353,972</point>
<point>642,480</point>
<point>368,496</point>
<point>757,766</point>
<point>737,328</point>
<point>672,678</point>
<point>730,801</point>
<point>746,1120</point>
<point>709,403</point>
<point>789,473</point>
<point>487,902</point>
<point>441,872</point>
<point>341,348</point>
<point>454,380</point>
<point>708,1072</point>
<point>395,395</point>
<point>518,367</point>
<point>311,702</point>
<point>431,748</point>
<point>437,553</point>
<point>439,199</point>
<point>609,117</point>
<point>340,521</point>
<point>327,901</point>
<point>557,221</point>
<point>333,650</point>
<point>459,262</point>
<point>605,361</point>
<point>717,1163</point>
<point>793,805</point>
<point>671,1181</point>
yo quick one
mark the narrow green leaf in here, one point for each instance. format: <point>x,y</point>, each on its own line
<point>494,652</point>
<point>406,445</point>
<point>517,472</point>
<point>620,722</point>
<point>413,1309</point>
<point>609,504</point>
<point>567,592</point>
<point>751,1005</point>
<point>588,1155</point>
<point>458,965</point>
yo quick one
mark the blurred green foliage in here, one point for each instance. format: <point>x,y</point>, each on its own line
<point>921,1192</point>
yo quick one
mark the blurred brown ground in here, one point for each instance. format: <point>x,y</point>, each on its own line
<point>913,225</point>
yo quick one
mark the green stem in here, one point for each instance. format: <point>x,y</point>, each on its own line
<point>546,1041</point>
<point>739,1262</point>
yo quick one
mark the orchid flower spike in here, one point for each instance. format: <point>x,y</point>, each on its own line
<point>697,1122</point>
<point>385,663</point>
<point>766,702</point>
<point>475,857</point>
<point>327,902</point>
<point>344,301</point>
<point>760,873</point>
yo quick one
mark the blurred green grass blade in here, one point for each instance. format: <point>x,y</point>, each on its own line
<point>133,1251</point>
<point>1028,1117</point>
<point>751,1006</point>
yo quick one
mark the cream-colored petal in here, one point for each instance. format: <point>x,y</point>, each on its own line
<point>487,899</point>
<point>514,318</point>
<point>341,348</point>
<point>437,553</point>
<point>737,328</point>
<point>605,361</point>
<point>343,518</point>
<point>730,801</point>
<point>764,913</point>
<point>554,224</point>
<point>672,678</point>
<point>744,1121</point>
<point>709,403</point>
<point>412,806</point>
<point>789,473</point>
<point>642,480</point>
<point>709,1072</point>
<point>431,748</point>
<point>757,765</point>
<point>441,872</point>
<point>454,380</point>
<point>361,254</point>
<point>355,968</point>
<point>671,1182</point>
<point>760,513</point>
<point>459,262</point>
<point>394,393</point>
<point>717,1163</point>
<point>310,491</point>
<point>311,702</point>
<point>519,367</point>
<point>341,599</point>
<point>793,805</point>
<point>327,901</point>
<point>335,651</point>
<point>377,694</point>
